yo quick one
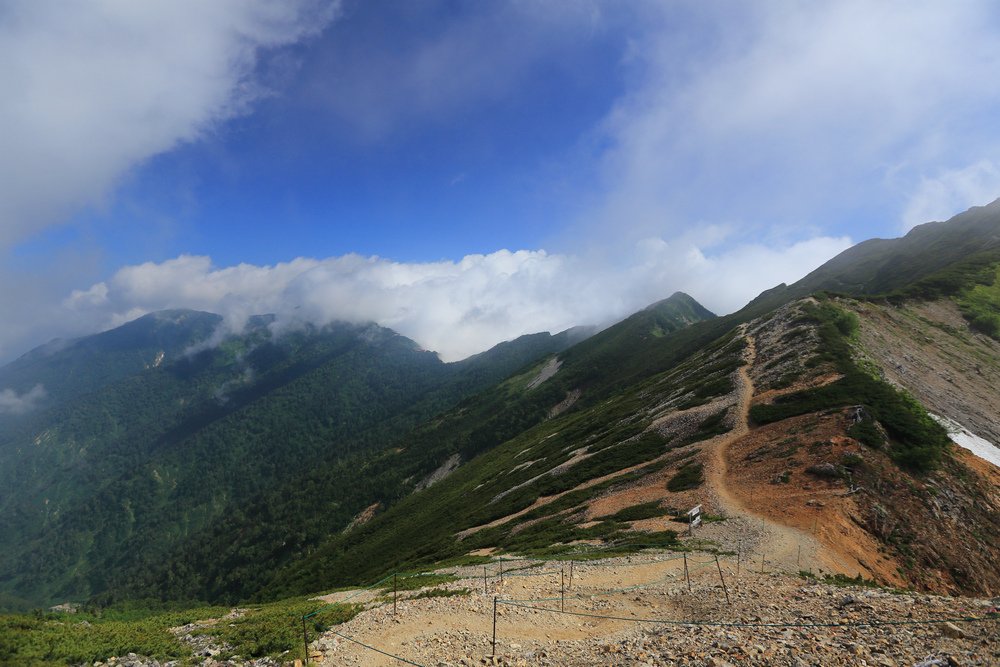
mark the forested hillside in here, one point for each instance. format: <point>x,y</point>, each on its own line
<point>138,447</point>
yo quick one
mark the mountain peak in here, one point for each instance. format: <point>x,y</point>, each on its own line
<point>681,305</point>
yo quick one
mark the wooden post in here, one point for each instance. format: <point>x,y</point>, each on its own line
<point>305,638</point>
<point>485,588</point>
<point>687,577</point>
<point>394,593</point>
<point>494,626</point>
<point>724,589</point>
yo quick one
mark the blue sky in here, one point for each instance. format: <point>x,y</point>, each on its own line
<point>466,172</point>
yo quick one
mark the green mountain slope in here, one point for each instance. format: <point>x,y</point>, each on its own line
<point>880,266</point>
<point>69,368</point>
<point>608,389</point>
<point>223,561</point>
<point>109,481</point>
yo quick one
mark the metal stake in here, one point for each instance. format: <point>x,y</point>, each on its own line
<point>394,594</point>
<point>724,589</point>
<point>571,575</point>
<point>687,577</point>
<point>305,638</point>
<point>485,590</point>
<point>739,551</point>
<point>562,590</point>
<point>494,626</point>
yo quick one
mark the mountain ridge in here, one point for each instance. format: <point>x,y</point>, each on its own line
<point>641,402</point>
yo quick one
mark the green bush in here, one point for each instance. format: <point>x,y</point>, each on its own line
<point>867,433</point>
<point>690,476</point>
<point>638,512</point>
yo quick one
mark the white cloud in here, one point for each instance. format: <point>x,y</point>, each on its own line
<point>952,192</point>
<point>782,112</point>
<point>89,90</point>
<point>456,308</point>
<point>12,403</point>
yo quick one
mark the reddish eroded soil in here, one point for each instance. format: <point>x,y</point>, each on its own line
<point>759,465</point>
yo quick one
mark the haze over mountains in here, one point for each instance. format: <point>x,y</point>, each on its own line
<point>152,465</point>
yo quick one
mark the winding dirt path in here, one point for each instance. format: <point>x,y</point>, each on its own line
<point>782,546</point>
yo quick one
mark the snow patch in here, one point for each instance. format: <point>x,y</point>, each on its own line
<point>963,437</point>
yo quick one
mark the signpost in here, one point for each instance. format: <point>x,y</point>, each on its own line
<point>694,519</point>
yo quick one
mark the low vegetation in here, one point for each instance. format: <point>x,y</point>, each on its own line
<point>639,512</point>
<point>917,440</point>
<point>89,636</point>
<point>690,476</point>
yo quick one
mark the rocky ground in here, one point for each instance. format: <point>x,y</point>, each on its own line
<point>776,619</point>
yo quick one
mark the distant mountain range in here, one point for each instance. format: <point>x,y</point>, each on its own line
<point>157,466</point>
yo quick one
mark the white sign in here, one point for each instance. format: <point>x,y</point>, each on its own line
<point>694,518</point>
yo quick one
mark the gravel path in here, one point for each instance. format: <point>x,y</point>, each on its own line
<point>599,630</point>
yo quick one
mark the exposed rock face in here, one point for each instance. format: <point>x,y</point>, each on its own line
<point>441,472</point>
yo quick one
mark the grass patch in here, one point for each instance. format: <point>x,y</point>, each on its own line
<point>462,561</point>
<point>273,629</point>
<point>711,426</point>
<point>981,306</point>
<point>637,512</point>
<point>690,476</point>
<point>440,593</point>
<point>843,581</point>
<point>415,582</point>
<point>59,639</point>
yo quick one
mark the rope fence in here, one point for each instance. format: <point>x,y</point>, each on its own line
<point>377,650</point>
<point>538,567</point>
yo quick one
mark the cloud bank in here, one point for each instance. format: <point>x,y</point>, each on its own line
<point>95,88</point>
<point>455,308</point>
